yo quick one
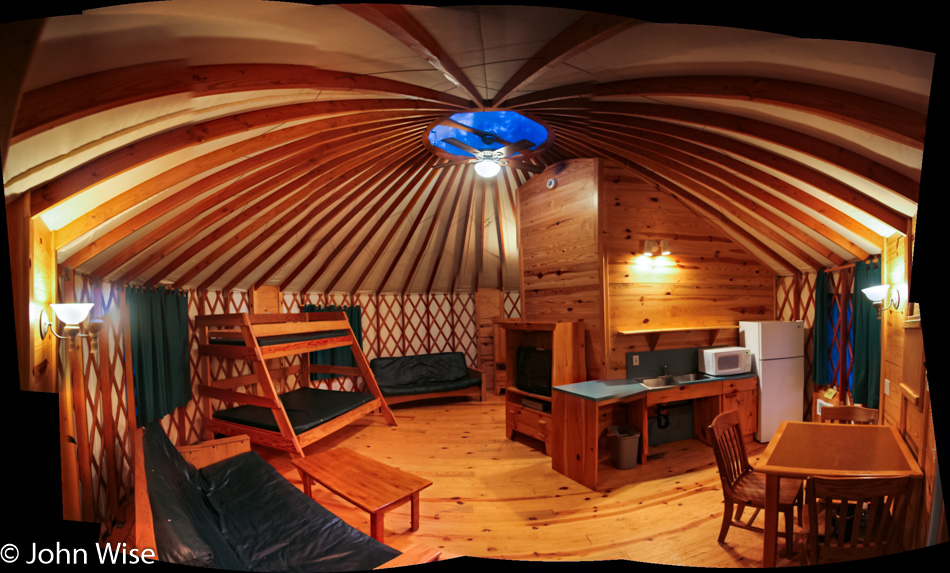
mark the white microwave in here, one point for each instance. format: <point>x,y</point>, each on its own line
<point>725,360</point>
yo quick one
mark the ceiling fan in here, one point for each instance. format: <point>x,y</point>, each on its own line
<point>489,161</point>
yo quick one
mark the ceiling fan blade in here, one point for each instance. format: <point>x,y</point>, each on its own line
<point>488,138</point>
<point>523,166</point>
<point>461,145</point>
<point>516,147</point>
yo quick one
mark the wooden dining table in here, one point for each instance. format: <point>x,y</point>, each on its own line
<point>799,450</point>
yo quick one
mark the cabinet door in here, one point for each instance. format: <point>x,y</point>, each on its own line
<point>746,403</point>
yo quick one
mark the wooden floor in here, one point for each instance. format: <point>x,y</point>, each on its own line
<point>499,498</point>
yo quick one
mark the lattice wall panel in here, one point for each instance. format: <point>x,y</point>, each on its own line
<point>102,426</point>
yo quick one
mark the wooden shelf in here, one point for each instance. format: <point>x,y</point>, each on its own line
<point>653,336</point>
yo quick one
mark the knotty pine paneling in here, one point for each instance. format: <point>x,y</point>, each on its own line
<point>708,280</point>
<point>561,261</point>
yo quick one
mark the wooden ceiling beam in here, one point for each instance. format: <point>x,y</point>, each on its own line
<point>875,116</point>
<point>795,170</point>
<point>703,185</point>
<point>411,232</point>
<point>50,106</point>
<point>398,183</point>
<point>468,223</point>
<point>336,188</point>
<point>396,21</point>
<point>590,29</point>
<point>443,192</point>
<point>426,173</point>
<point>725,182</point>
<point>688,199</point>
<point>443,252</point>
<point>314,172</point>
<point>106,166</point>
<point>247,172</point>
<point>850,161</point>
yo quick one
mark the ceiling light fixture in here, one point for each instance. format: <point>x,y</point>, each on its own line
<point>487,168</point>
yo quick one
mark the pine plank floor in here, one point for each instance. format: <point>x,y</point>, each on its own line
<point>498,498</point>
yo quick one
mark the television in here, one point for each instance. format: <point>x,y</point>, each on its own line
<point>533,370</point>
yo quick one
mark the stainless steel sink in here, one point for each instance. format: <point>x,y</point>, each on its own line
<point>689,377</point>
<point>670,380</point>
<point>656,382</point>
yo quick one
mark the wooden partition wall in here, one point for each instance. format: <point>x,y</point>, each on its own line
<point>582,227</point>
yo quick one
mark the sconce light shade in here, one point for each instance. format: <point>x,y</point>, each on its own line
<point>876,293</point>
<point>664,247</point>
<point>487,168</point>
<point>72,314</point>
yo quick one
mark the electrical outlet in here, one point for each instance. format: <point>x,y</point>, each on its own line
<point>636,360</point>
<point>887,387</point>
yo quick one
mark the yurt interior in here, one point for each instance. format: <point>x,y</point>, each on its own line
<point>332,287</point>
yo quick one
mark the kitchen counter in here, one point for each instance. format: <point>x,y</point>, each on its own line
<point>581,412</point>
<point>600,390</point>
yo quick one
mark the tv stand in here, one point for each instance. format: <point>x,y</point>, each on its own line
<point>526,412</point>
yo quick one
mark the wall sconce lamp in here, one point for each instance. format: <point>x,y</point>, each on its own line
<point>652,247</point>
<point>75,325</point>
<point>876,295</point>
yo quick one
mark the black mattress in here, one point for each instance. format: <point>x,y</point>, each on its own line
<point>306,408</point>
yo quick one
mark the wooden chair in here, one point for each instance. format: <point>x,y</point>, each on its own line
<point>874,511</point>
<point>849,415</point>
<point>742,486</point>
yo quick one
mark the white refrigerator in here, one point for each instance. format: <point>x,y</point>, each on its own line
<point>778,360</point>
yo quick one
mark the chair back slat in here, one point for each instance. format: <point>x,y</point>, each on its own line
<point>849,415</point>
<point>730,448</point>
<point>862,516</point>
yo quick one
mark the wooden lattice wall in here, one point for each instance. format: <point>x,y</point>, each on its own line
<point>393,325</point>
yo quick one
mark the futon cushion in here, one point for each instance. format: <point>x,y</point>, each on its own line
<point>306,408</point>
<point>411,389</point>
<point>273,526</point>
<point>423,369</point>
<point>186,529</point>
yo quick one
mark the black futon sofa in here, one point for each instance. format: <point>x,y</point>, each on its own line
<point>403,378</point>
<point>241,514</point>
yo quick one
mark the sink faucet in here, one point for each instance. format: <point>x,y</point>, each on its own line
<point>665,373</point>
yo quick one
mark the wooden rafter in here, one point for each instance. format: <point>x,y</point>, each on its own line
<point>296,194</point>
<point>589,30</point>
<point>443,191</point>
<point>697,205</point>
<point>802,173</point>
<point>854,163</point>
<point>875,116</point>
<point>690,174</point>
<point>396,21</point>
<point>312,219</point>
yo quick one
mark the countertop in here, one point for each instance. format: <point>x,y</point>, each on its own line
<point>598,390</point>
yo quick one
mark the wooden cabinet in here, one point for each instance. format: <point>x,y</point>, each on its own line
<point>532,420</point>
<point>565,340</point>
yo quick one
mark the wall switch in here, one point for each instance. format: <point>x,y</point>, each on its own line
<point>887,387</point>
<point>636,359</point>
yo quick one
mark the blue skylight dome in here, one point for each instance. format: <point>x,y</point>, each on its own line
<point>486,130</point>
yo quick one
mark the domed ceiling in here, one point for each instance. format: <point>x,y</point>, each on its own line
<point>221,144</point>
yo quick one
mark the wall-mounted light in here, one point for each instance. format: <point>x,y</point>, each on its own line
<point>75,325</point>
<point>653,247</point>
<point>877,294</point>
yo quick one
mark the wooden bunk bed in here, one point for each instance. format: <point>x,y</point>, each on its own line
<point>298,418</point>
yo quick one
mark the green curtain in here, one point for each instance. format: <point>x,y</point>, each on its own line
<point>820,372</point>
<point>342,356</point>
<point>160,356</point>
<point>866,386</point>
